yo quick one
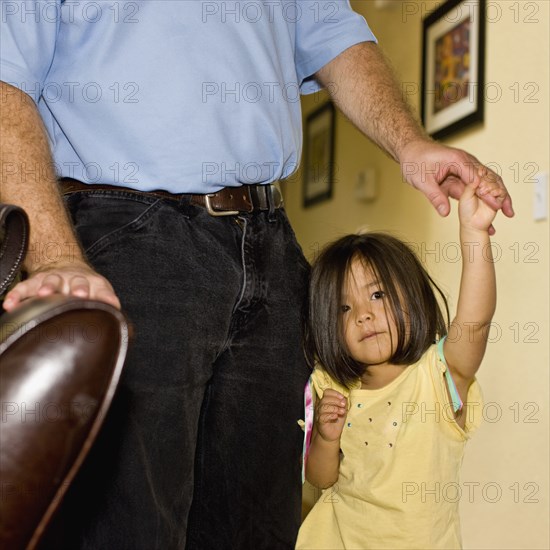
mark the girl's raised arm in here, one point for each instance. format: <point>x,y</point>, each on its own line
<point>467,339</point>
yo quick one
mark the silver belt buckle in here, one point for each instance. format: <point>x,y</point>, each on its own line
<point>213,212</point>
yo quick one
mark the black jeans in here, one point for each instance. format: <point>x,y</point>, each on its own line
<point>201,449</point>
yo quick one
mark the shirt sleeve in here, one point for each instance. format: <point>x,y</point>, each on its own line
<point>322,381</point>
<point>27,42</point>
<point>324,29</point>
<point>474,400</point>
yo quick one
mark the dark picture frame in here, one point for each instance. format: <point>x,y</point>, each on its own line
<point>319,143</point>
<point>453,67</point>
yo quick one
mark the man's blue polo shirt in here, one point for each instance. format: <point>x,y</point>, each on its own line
<point>183,95</point>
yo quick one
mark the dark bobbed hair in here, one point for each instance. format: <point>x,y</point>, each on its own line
<point>411,297</point>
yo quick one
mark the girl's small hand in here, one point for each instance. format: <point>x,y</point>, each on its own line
<point>473,212</point>
<point>330,415</point>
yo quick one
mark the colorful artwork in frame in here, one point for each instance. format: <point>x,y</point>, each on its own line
<point>453,67</point>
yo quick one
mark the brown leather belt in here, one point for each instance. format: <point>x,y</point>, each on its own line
<point>229,201</point>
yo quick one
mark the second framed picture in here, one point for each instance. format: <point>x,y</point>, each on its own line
<point>453,67</point>
<point>319,154</point>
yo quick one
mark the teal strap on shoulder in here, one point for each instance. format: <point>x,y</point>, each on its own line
<point>455,398</point>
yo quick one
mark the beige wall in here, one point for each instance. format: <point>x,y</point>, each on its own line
<point>510,453</point>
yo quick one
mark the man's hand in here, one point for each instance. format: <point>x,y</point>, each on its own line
<point>362,84</point>
<point>440,172</point>
<point>71,278</point>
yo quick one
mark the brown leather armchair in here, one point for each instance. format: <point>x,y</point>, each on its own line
<point>60,361</point>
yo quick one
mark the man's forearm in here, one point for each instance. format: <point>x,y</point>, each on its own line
<point>363,86</point>
<point>28,180</point>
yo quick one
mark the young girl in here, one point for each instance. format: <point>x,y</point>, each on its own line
<point>393,407</point>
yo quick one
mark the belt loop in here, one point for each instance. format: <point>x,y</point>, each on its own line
<point>270,202</point>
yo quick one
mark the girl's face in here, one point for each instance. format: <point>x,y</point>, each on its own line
<point>370,331</point>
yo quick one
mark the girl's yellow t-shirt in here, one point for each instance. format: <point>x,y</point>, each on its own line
<point>402,450</point>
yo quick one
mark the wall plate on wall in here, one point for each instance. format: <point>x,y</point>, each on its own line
<point>365,185</point>
<point>540,197</point>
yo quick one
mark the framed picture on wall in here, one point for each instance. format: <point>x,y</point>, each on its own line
<point>319,134</point>
<point>453,53</point>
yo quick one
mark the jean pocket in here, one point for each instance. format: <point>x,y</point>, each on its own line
<point>103,218</point>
